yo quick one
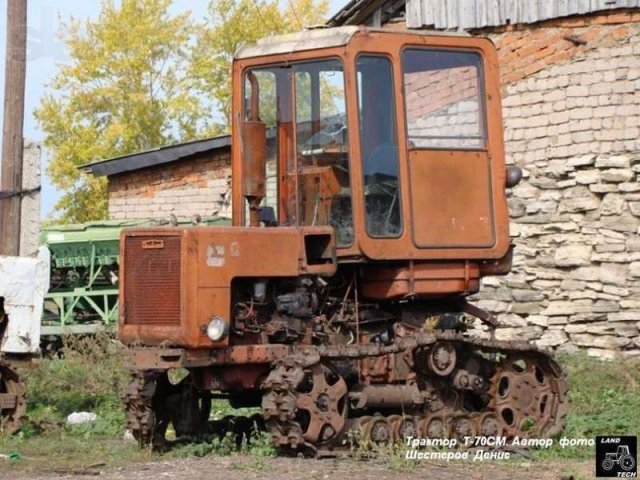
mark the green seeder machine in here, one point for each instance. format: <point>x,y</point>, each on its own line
<point>83,297</point>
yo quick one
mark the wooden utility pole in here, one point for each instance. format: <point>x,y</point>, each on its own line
<point>12,135</point>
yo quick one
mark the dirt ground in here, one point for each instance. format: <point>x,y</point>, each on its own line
<point>245,467</point>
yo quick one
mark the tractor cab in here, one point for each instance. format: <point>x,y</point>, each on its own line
<point>392,138</point>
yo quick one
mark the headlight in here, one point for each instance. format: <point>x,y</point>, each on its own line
<point>217,329</point>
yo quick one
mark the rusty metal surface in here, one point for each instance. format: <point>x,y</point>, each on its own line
<point>171,289</point>
<point>537,394</point>
<point>153,277</point>
<point>415,279</point>
<point>451,207</point>
<point>254,157</point>
<point>524,387</point>
<point>13,404</point>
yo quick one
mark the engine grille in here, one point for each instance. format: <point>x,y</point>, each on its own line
<point>152,280</point>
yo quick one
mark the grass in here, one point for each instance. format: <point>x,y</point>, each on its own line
<point>604,399</point>
<point>89,376</point>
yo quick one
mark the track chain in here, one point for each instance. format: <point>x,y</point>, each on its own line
<point>527,382</point>
<point>13,403</point>
<point>138,402</point>
<point>531,401</point>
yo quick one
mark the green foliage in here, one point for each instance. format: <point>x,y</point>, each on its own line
<point>260,447</point>
<point>140,77</point>
<point>232,24</point>
<point>125,89</point>
<point>87,376</point>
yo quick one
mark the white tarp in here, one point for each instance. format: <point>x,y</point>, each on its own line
<point>23,283</point>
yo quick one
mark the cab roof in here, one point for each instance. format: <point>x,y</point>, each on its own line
<point>321,38</point>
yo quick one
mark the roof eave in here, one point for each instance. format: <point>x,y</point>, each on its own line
<point>154,157</point>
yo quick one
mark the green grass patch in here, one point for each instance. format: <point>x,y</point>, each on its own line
<point>604,399</point>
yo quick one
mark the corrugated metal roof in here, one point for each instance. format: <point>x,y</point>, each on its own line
<point>469,14</point>
<point>157,156</point>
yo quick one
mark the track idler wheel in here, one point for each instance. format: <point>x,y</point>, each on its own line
<point>13,404</point>
<point>463,427</point>
<point>323,397</point>
<point>404,427</point>
<point>434,426</point>
<point>488,425</point>
<point>529,395</point>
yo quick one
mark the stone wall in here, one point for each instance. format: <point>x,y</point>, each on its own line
<point>196,186</point>
<point>572,118</point>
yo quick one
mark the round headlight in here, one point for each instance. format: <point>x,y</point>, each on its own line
<point>217,329</point>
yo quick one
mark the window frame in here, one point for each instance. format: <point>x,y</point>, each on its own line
<point>243,117</point>
<point>292,88</point>
<point>345,93</point>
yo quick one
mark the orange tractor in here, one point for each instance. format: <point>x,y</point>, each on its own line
<point>368,202</point>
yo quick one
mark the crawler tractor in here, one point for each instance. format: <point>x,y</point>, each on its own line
<point>369,199</point>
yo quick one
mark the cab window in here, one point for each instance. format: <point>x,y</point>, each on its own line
<point>443,99</point>
<point>379,146</point>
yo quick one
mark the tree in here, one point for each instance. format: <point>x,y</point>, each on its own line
<point>125,89</point>
<point>231,24</point>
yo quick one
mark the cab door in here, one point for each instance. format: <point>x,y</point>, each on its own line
<point>428,139</point>
<point>448,160</point>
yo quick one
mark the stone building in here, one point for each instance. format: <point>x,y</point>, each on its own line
<point>571,103</point>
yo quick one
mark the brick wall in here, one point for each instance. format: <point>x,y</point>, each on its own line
<point>199,185</point>
<point>572,118</point>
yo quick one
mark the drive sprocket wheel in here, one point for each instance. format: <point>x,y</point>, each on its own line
<point>529,395</point>
<point>321,404</point>
<point>13,404</point>
<point>304,407</point>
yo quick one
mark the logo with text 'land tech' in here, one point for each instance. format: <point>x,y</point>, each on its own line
<point>617,457</point>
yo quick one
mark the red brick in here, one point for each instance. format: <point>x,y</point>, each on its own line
<point>612,18</point>
<point>620,33</point>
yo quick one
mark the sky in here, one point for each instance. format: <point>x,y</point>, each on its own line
<point>45,52</point>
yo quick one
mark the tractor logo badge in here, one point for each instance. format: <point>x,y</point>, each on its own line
<point>617,457</point>
<point>153,244</point>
